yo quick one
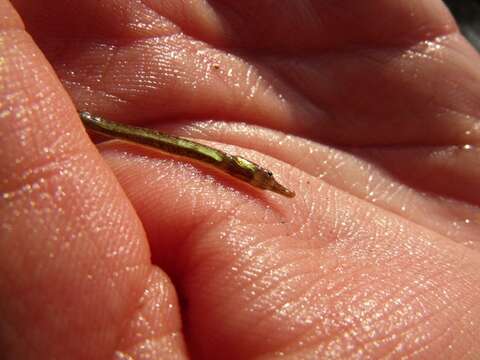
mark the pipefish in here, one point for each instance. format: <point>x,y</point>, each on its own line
<point>233,165</point>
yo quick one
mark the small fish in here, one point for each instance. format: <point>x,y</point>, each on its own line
<point>233,165</point>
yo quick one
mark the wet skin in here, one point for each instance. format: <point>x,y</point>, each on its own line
<point>367,109</point>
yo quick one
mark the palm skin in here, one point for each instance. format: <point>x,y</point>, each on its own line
<point>132,253</point>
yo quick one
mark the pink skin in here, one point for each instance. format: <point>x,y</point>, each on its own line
<point>128,252</point>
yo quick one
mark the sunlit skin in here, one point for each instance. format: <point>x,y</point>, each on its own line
<point>233,165</point>
<point>368,110</point>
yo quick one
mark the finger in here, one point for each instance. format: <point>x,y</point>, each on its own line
<point>314,25</point>
<point>73,255</point>
<point>155,330</point>
<point>423,91</point>
<point>323,274</point>
<point>295,26</point>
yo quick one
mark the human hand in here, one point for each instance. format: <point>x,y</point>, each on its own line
<point>133,253</point>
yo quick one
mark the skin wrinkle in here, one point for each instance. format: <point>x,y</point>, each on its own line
<point>88,88</point>
<point>418,180</point>
<point>41,172</point>
<point>119,95</point>
<point>392,340</point>
<point>302,298</point>
<point>274,311</point>
<point>403,39</point>
<point>241,103</point>
<point>139,24</point>
<point>463,115</point>
<point>267,316</point>
<point>100,261</point>
<point>135,317</point>
<point>133,32</point>
<point>351,191</point>
<point>451,330</point>
<point>108,65</point>
<point>389,196</point>
<point>158,335</point>
<point>324,112</point>
<point>148,302</point>
<point>318,332</point>
<point>305,198</point>
<point>341,329</point>
<point>103,76</point>
<point>412,325</point>
<point>48,164</point>
<point>187,20</point>
<point>431,316</point>
<point>309,100</point>
<point>409,188</point>
<point>456,39</point>
<point>324,178</point>
<point>200,228</point>
<point>472,334</point>
<point>220,225</point>
<point>269,285</point>
<point>420,293</point>
<point>425,347</point>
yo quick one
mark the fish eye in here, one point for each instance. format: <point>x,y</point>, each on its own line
<point>269,173</point>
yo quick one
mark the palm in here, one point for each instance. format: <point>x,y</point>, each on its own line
<point>378,252</point>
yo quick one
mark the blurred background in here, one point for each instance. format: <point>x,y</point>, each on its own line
<point>467,13</point>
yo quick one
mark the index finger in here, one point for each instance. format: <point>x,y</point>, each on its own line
<point>73,255</point>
